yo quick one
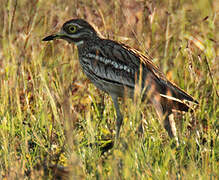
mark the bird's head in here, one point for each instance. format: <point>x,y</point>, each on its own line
<point>76,31</point>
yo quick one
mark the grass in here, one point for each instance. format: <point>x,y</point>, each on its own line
<point>55,124</point>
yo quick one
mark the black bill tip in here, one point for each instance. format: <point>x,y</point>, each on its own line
<point>49,38</point>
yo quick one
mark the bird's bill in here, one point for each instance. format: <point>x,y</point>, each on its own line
<point>58,35</point>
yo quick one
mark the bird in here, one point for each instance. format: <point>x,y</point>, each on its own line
<point>119,70</point>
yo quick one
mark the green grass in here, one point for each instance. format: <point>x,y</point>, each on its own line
<point>51,115</point>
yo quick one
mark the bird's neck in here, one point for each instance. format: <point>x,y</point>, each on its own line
<point>79,43</point>
<point>85,44</point>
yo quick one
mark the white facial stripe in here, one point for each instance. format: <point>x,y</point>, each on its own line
<point>77,25</point>
<point>79,43</point>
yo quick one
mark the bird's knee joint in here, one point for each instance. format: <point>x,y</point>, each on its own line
<point>119,120</point>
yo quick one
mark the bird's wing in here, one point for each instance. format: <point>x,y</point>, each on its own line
<point>118,63</point>
<point>172,91</point>
<point>102,62</point>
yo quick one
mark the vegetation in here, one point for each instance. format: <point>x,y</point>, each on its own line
<point>55,124</point>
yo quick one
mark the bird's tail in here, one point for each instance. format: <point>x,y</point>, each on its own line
<point>176,98</point>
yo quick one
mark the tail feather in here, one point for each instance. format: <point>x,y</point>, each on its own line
<point>179,93</point>
<point>175,104</point>
<point>176,97</point>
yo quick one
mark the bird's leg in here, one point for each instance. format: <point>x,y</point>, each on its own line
<point>119,118</point>
<point>173,127</point>
<point>140,130</point>
<point>166,117</point>
<point>170,126</point>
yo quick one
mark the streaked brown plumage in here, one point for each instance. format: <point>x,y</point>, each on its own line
<point>114,68</point>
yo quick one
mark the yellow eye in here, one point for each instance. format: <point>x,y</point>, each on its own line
<point>72,29</point>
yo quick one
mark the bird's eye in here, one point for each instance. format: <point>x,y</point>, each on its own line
<point>72,29</point>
